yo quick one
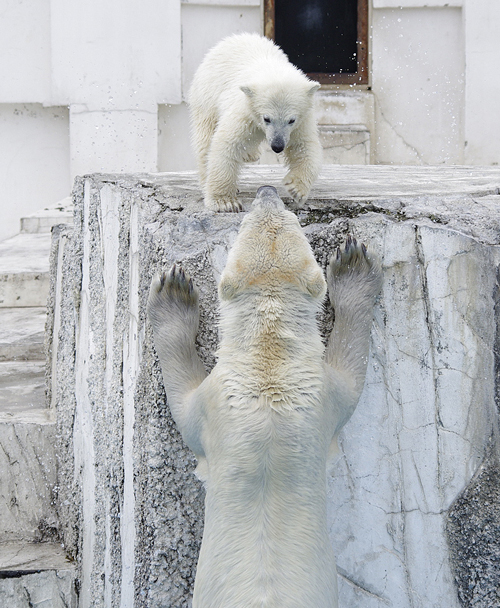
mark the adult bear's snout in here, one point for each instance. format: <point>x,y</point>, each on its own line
<point>267,197</point>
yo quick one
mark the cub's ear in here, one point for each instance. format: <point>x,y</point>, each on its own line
<point>249,92</point>
<point>312,89</point>
<point>228,287</point>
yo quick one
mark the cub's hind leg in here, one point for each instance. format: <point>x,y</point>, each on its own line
<point>174,314</point>
<point>354,280</point>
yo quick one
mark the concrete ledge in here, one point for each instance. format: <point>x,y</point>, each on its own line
<point>129,504</point>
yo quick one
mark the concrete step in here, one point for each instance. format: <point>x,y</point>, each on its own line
<point>27,480</point>
<point>36,574</point>
<point>24,270</point>
<point>34,570</point>
<point>347,144</point>
<point>22,333</point>
<point>22,386</point>
<point>43,220</point>
<point>28,557</point>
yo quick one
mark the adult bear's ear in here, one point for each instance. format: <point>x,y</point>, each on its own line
<point>316,284</point>
<point>249,92</point>
<point>315,86</point>
<point>228,287</point>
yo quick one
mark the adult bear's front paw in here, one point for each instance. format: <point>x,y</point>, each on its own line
<point>353,273</point>
<point>173,298</point>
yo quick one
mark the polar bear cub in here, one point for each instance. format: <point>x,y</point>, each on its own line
<point>262,423</point>
<point>246,90</point>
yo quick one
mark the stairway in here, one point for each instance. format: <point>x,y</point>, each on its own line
<point>34,570</point>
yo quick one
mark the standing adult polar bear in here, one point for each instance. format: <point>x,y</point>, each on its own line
<point>246,90</point>
<point>262,423</point>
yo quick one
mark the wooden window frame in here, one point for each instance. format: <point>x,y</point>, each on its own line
<point>361,75</point>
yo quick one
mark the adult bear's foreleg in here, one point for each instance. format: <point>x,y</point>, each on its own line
<point>174,315</point>
<point>354,280</point>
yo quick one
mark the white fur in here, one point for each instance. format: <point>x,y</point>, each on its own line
<point>246,90</point>
<point>262,423</point>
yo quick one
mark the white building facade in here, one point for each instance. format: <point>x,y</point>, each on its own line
<point>92,86</point>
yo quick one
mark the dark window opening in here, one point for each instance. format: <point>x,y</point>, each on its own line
<point>326,39</point>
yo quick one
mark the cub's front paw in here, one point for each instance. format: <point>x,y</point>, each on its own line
<point>228,204</point>
<point>353,272</point>
<point>173,299</point>
<point>251,157</point>
<point>297,189</point>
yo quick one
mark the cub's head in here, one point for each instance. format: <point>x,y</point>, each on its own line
<point>279,107</point>
<point>271,254</point>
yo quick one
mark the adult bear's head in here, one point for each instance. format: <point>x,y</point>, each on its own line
<point>271,254</point>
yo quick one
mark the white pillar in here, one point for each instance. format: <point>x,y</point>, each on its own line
<point>112,63</point>
<point>482,82</point>
<point>113,141</point>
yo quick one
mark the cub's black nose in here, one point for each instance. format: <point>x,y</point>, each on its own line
<point>277,147</point>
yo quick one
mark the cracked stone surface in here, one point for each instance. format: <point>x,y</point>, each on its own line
<point>28,474</point>
<point>39,590</point>
<point>422,425</point>
<point>407,495</point>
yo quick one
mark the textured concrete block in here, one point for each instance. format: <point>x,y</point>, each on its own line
<point>130,506</point>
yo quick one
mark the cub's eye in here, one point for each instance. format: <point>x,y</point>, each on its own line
<point>267,119</point>
<point>291,121</point>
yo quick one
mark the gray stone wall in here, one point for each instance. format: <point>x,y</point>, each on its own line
<point>415,481</point>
